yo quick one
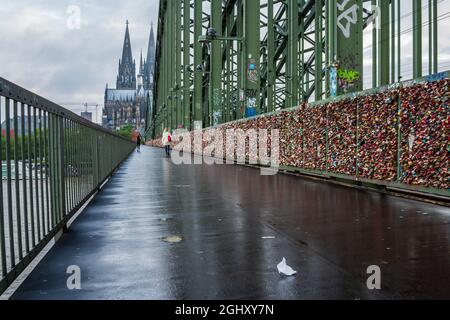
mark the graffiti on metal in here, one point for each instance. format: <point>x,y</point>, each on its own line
<point>347,17</point>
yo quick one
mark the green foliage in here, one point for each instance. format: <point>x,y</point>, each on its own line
<point>26,139</point>
<point>126,131</point>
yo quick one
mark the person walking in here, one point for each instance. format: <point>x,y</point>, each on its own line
<point>166,141</point>
<point>138,142</point>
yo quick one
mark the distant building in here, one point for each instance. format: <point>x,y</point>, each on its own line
<point>87,115</point>
<point>127,103</point>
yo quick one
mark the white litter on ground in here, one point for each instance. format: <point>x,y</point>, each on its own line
<point>283,268</point>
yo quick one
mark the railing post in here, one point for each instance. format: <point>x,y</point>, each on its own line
<point>62,168</point>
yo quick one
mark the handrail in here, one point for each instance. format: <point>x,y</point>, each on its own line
<point>52,162</point>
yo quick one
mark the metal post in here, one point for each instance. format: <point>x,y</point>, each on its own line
<point>198,76</point>
<point>177,63</point>
<point>240,60</point>
<point>318,50</point>
<point>430,36</point>
<point>349,45</point>
<point>393,41</point>
<point>383,65</point>
<point>375,48</point>
<point>270,57</point>
<point>252,56</point>
<point>186,64</point>
<point>292,84</point>
<point>399,48</point>
<point>417,38</point>
<point>435,37</point>
<point>215,75</point>
<point>24,178</point>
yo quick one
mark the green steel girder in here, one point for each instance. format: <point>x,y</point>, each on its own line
<point>288,51</point>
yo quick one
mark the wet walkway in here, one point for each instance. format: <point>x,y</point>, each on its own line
<point>236,226</point>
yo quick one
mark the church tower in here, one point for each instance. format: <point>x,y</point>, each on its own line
<point>126,79</point>
<point>149,63</point>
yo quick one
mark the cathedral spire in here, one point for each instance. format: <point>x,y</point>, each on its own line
<point>126,52</point>
<point>141,65</point>
<point>127,68</point>
<point>149,64</point>
<point>151,46</point>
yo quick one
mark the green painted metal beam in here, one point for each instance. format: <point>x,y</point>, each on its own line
<point>349,45</point>
<point>270,57</point>
<point>252,57</point>
<point>417,38</point>
<point>177,40</point>
<point>383,63</point>
<point>198,75</point>
<point>215,86</point>
<point>186,65</point>
<point>318,50</point>
<point>292,76</point>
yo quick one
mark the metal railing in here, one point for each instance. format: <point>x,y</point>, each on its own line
<point>52,162</point>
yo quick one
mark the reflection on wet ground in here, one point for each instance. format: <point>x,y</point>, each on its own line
<point>234,226</point>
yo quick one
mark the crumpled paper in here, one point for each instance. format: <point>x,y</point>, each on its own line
<point>284,269</point>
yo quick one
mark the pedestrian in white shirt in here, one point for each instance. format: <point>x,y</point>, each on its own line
<point>166,141</point>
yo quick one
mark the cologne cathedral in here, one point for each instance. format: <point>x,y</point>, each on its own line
<point>127,103</point>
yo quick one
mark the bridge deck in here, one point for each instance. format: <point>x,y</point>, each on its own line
<point>330,234</point>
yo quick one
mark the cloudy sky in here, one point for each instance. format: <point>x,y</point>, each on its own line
<point>41,51</point>
<point>43,54</point>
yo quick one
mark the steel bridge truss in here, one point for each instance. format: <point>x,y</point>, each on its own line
<point>260,56</point>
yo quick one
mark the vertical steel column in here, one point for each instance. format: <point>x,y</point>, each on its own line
<point>349,45</point>
<point>215,85</point>
<point>417,38</point>
<point>327,50</point>
<point>252,57</point>
<point>228,104</point>
<point>435,37</point>
<point>430,36</point>
<point>30,177</point>
<point>177,63</point>
<point>198,76</point>
<point>292,83</point>
<point>332,44</point>
<point>169,55</point>
<point>62,166</point>
<point>24,178</point>
<point>301,60</point>
<point>240,60</point>
<point>383,65</point>
<point>318,50</point>
<point>186,65</point>
<point>393,10</point>
<point>375,47</point>
<point>270,57</point>
<point>399,48</point>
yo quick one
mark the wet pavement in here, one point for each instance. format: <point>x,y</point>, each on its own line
<point>161,231</point>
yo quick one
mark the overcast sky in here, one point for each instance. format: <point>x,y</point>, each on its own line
<point>41,53</point>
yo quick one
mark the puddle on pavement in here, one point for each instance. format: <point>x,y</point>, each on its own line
<point>172,239</point>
